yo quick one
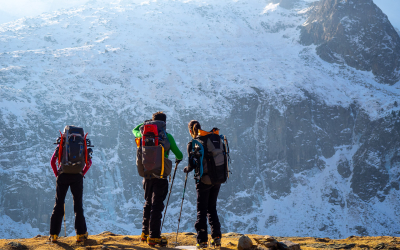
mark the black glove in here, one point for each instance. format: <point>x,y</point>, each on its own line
<point>177,161</point>
<point>90,152</point>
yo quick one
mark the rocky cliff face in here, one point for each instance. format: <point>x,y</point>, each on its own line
<point>312,143</point>
<point>356,33</point>
<point>397,30</point>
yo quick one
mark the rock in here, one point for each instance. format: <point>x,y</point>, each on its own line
<point>271,244</point>
<point>380,246</point>
<point>265,248</point>
<point>38,236</point>
<point>189,233</point>
<point>244,243</point>
<point>108,233</point>
<point>288,245</point>
<point>317,245</point>
<point>126,238</point>
<point>269,238</point>
<point>232,234</point>
<point>349,246</point>
<point>268,242</point>
<point>322,239</point>
<point>16,245</point>
<point>342,246</point>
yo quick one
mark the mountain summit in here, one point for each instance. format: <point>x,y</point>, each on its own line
<point>356,33</point>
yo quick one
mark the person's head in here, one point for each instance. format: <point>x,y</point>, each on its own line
<point>194,127</point>
<point>160,116</point>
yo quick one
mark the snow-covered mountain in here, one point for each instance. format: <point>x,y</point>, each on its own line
<point>314,143</point>
<point>356,33</point>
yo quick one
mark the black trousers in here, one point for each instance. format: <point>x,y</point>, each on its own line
<point>207,207</point>
<point>64,181</point>
<point>155,192</point>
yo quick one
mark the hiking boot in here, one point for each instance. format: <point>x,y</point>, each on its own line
<point>162,241</point>
<point>143,237</point>
<point>216,242</point>
<point>201,245</point>
<point>53,238</point>
<point>82,237</point>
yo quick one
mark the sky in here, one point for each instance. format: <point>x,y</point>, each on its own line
<point>391,8</point>
<point>14,9</point>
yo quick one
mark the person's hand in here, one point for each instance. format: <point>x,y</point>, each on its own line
<point>186,169</point>
<point>90,152</point>
<point>177,161</point>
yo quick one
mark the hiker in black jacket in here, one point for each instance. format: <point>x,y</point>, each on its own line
<point>207,195</point>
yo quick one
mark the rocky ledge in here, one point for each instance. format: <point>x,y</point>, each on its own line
<point>108,240</point>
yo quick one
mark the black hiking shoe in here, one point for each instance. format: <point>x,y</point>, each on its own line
<point>162,241</point>
<point>81,237</point>
<point>216,242</point>
<point>201,245</point>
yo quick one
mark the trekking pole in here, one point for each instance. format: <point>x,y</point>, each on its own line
<point>65,226</point>
<point>170,190</point>
<point>183,197</point>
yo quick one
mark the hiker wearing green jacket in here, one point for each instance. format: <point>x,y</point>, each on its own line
<point>153,141</point>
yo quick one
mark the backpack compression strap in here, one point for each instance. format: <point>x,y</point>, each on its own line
<point>85,149</point>
<point>201,151</point>
<point>60,149</point>
<point>162,161</point>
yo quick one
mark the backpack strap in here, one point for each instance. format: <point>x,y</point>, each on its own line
<point>228,158</point>
<point>162,161</point>
<point>60,149</point>
<point>85,149</point>
<point>201,151</point>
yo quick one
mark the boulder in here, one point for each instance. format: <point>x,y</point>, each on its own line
<point>266,242</point>
<point>244,243</point>
<point>288,245</point>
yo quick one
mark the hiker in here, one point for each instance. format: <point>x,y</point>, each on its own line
<point>74,160</point>
<point>154,144</point>
<point>209,158</point>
